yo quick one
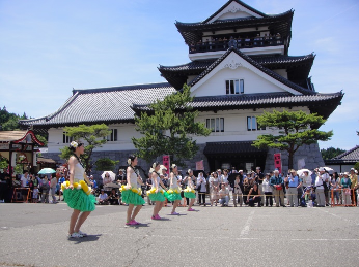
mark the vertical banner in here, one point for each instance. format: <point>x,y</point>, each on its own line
<point>199,165</point>
<point>278,162</point>
<point>166,163</point>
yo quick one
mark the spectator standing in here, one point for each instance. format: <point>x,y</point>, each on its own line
<point>345,184</point>
<point>45,190</point>
<point>319,189</point>
<point>201,188</point>
<point>293,185</point>
<point>214,181</point>
<point>237,191</point>
<point>53,185</point>
<point>277,183</point>
<point>354,186</point>
<point>24,184</point>
<point>268,190</point>
<point>335,187</point>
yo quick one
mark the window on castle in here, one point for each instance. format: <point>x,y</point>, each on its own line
<point>252,124</point>
<point>216,125</point>
<point>66,139</point>
<point>235,87</point>
<point>112,136</point>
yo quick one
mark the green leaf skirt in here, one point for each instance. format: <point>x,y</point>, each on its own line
<point>130,197</point>
<point>79,200</point>
<point>189,195</point>
<point>157,197</point>
<point>173,196</point>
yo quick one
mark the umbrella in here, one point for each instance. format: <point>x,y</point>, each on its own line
<point>328,169</point>
<point>300,172</point>
<point>46,170</point>
<point>112,175</point>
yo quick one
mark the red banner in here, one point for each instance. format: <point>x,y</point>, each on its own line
<point>166,163</point>
<point>278,162</point>
<point>199,165</point>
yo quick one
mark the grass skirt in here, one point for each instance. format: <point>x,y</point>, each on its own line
<point>173,196</point>
<point>157,197</point>
<point>130,197</point>
<point>79,200</point>
<point>189,195</point>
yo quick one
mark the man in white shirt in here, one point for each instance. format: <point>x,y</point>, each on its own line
<point>224,196</point>
<point>103,198</point>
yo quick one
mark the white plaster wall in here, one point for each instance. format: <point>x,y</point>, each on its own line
<point>253,83</point>
<point>235,15</point>
<point>125,132</point>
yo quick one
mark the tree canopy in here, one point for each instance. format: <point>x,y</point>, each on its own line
<point>294,129</point>
<point>168,128</point>
<point>10,121</point>
<point>92,136</point>
<point>331,152</point>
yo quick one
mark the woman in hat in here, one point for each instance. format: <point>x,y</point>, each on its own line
<point>156,193</point>
<point>76,193</point>
<point>131,194</point>
<point>174,193</point>
<point>189,191</point>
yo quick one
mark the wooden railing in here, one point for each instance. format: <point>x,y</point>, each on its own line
<point>214,46</point>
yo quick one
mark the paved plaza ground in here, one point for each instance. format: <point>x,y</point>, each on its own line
<point>35,235</point>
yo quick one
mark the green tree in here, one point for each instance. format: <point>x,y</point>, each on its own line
<point>42,138</point>
<point>92,136</point>
<point>294,129</point>
<point>105,164</point>
<point>356,166</point>
<point>166,128</point>
<point>331,152</point>
<point>3,163</point>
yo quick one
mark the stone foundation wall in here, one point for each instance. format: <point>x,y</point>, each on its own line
<point>310,153</point>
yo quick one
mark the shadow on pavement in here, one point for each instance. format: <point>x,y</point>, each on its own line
<point>88,238</point>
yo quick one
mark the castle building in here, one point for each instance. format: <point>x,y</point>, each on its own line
<point>239,67</point>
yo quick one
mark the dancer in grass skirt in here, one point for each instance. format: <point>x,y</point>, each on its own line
<point>156,193</point>
<point>76,193</point>
<point>189,191</point>
<point>131,194</point>
<point>174,193</point>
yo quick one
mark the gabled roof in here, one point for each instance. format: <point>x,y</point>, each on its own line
<point>103,105</point>
<point>18,137</point>
<point>227,4</point>
<point>351,156</point>
<point>271,73</point>
<point>296,66</point>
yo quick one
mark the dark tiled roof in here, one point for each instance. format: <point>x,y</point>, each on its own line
<point>107,105</point>
<point>255,64</point>
<point>278,23</point>
<point>233,147</point>
<point>351,156</point>
<point>326,102</point>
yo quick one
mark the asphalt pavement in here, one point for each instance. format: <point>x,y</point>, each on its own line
<point>36,235</point>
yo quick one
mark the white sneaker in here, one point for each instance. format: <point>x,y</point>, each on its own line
<point>83,234</point>
<point>75,235</point>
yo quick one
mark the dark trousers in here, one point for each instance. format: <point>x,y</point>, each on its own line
<point>251,201</point>
<point>203,196</point>
<point>354,197</point>
<point>269,196</point>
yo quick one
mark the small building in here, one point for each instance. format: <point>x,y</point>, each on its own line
<point>344,162</point>
<point>19,147</point>
<point>239,67</point>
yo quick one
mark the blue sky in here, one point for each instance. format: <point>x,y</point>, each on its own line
<point>47,48</point>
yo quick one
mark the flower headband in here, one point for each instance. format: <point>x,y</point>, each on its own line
<point>129,161</point>
<point>74,144</point>
<point>155,165</point>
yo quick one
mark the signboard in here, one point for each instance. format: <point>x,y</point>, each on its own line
<point>16,146</point>
<point>4,146</point>
<point>166,163</point>
<point>199,165</point>
<point>278,162</point>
